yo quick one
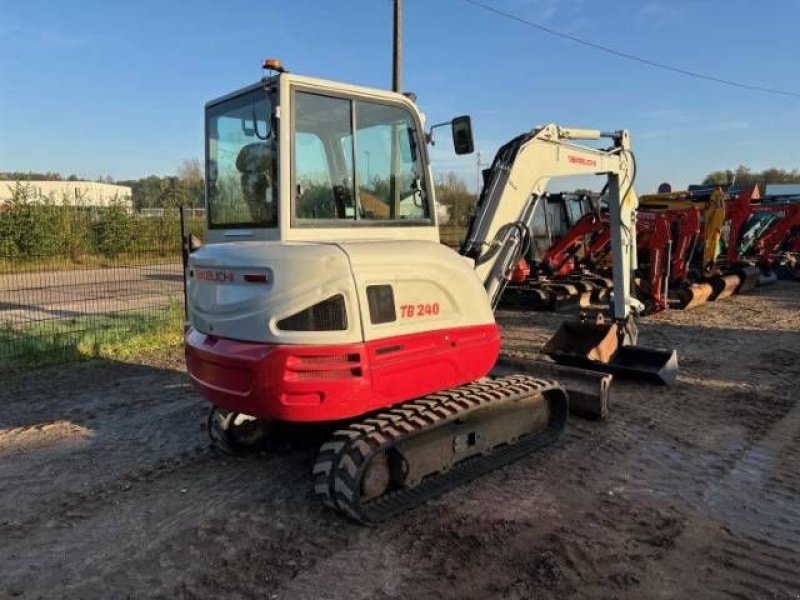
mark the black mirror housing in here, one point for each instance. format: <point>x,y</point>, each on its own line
<point>462,135</point>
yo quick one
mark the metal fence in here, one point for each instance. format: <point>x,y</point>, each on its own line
<point>58,305</point>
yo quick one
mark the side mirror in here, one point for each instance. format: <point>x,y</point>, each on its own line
<point>462,135</point>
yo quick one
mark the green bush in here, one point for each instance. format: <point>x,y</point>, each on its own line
<point>38,228</point>
<point>115,231</point>
<point>33,225</point>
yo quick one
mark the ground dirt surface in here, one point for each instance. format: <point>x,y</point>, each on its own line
<point>108,488</point>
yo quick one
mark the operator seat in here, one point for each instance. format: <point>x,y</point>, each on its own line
<point>255,163</point>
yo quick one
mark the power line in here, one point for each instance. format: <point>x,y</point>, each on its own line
<point>628,56</point>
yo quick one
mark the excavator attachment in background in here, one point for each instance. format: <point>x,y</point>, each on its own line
<point>692,295</point>
<point>600,345</point>
<point>611,346</point>
<point>589,391</point>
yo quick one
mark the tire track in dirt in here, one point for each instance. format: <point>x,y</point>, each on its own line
<point>119,441</point>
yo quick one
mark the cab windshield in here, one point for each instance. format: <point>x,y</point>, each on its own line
<point>241,162</point>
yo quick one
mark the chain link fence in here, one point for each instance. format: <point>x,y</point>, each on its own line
<point>93,277</point>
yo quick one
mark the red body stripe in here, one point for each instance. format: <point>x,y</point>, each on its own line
<point>327,383</point>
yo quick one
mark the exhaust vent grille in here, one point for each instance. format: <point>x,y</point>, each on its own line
<point>328,315</point>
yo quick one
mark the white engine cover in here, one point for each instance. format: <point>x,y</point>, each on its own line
<point>433,288</point>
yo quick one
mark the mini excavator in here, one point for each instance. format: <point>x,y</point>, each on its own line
<point>714,280</point>
<point>322,293</point>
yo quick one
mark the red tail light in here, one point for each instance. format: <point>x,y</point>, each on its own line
<point>256,278</point>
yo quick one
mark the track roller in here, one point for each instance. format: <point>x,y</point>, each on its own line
<point>396,460</point>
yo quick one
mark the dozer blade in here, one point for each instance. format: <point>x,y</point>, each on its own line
<point>594,346</point>
<point>526,297</point>
<point>566,296</point>
<point>589,391</point>
<point>692,296</point>
<point>749,278</point>
<point>767,278</point>
<point>398,459</point>
<point>724,286</point>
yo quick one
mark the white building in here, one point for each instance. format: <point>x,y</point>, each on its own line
<point>783,189</point>
<point>73,193</point>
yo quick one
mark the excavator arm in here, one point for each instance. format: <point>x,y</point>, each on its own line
<point>739,208</point>
<point>498,236</point>
<point>714,216</point>
<point>689,228</point>
<point>564,249</point>
<point>779,233</point>
<point>519,175</point>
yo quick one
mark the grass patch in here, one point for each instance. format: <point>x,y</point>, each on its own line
<point>88,261</point>
<point>120,336</point>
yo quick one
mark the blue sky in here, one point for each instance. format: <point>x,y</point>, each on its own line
<point>118,88</point>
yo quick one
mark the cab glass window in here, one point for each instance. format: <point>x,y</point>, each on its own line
<point>390,178</point>
<point>323,175</point>
<point>375,174</point>
<point>241,165</point>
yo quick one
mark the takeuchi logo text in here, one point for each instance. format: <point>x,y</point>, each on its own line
<point>581,160</point>
<point>210,275</point>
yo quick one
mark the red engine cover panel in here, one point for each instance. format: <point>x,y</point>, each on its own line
<point>327,383</point>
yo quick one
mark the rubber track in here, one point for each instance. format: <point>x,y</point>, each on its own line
<point>342,460</point>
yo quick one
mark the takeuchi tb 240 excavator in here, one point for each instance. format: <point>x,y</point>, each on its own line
<point>323,295</point>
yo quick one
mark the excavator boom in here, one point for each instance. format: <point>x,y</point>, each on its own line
<point>498,237</point>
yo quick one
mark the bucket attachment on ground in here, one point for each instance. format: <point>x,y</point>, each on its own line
<point>595,345</point>
<point>724,286</point>
<point>767,278</point>
<point>567,296</point>
<point>525,296</point>
<point>589,391</point>
<point>749,276</point>
<point>692,296</point>
<point>593,341</point>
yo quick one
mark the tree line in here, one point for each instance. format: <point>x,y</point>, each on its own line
<point>746,177</point>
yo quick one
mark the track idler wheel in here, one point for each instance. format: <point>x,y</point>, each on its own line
<point>234,433</point>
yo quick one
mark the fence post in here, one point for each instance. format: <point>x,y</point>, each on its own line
<point>185,243</point>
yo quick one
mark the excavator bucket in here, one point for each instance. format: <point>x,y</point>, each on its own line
<point>583,339</point>
<point>749,276</point>
<point>693,295</point>
<point>724,286</point>
<point>767,278</point>
<point>595,346</point>
<point>526,296</point>
<point>567,296</point>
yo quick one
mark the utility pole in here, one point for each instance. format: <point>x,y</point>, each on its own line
<point>397,47</point>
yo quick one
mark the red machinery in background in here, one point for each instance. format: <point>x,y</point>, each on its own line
<point>781,236</point>
<point>738,208</point>
<point>576,267</point>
